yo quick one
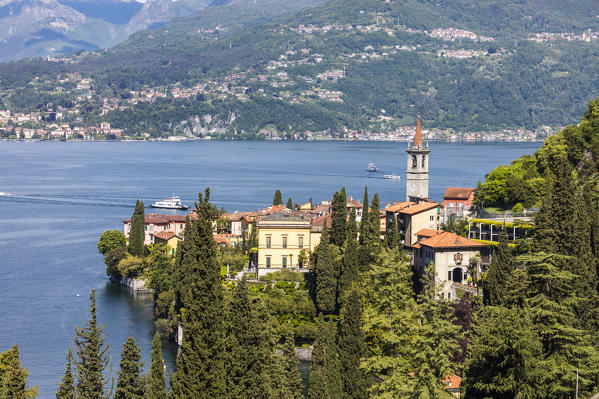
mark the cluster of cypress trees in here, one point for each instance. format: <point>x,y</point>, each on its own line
<point>88,370</point>
<point>537,334</point>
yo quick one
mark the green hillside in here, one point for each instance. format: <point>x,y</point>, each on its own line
<point>363,64</point>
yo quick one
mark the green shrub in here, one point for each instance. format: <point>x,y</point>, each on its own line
<point>112,259</point>
<point>131,266</point>
<point>518,208</point>
<point>110,240</point>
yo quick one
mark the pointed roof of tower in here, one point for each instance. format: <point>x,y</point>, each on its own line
<point>418,135</point>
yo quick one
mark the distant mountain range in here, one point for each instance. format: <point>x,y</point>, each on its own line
<point>30,28</point>
<point>286,65</point>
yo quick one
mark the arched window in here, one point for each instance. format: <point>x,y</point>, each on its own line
<point>423,160</point>
<point>414,161</point>
<point>457,275</point>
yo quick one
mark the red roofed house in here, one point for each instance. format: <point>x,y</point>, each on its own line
<point>155,223</point>
<point>453,385</point>
<point>170,239</point>
<point>413,217</point>
<point>451,255</point>
<point>458,201</point>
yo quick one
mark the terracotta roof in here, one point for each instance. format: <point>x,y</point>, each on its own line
<point>458,193</point>
<point>449,240</point>
<point>271,209</point>
<point>398,206</point>
<point>165,235</point>
<point>428,232</point>
<point>352,203</point>
<point>453,382</point>
<point>418,208</point>
<point>319,221</point>
<point>154,218</point>
<point>418,135</point>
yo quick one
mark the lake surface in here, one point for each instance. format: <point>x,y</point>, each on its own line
<point>57,198</point>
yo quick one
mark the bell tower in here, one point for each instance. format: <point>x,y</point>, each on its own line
<point>417,171</point>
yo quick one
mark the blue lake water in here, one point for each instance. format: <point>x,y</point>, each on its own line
<point>57,198</point>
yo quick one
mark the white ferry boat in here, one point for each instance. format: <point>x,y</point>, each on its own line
<point>393,176</point>
<point>372,168</point>
<point>173,202</point>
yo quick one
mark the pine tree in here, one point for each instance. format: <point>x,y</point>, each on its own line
<point>131,383</point>
<point>157,388</point>
<point>66,389</point>
<point>436,341</point>
<point>352,348</point>
<point>278,198</point>
<point>292,381</point>
<point>504,356</point>
<point>289,203</point>
<point>500,273</point>
<point>339,218</point>
<point>93,356</point>
<point>137,233</point>
<point>326,281</point>
<point>199,296</point>
<point>13,377</point>
<point>318,386</point>
<point>350,266</point>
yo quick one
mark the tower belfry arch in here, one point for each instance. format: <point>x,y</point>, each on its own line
<point>417,171</point>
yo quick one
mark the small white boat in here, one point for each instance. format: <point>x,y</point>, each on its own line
<point>372,168</point>
<point>392,176</point>
<point>173,202</point>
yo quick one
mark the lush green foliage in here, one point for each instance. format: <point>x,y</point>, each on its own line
<point>278,198</point>
<point>137,233</point>
<point>339,218</point>
<point>157,386</point>
<point>199,297</point>
<point>111,239</point>
<point>525,181</point>
<point>130,383</point>
<point>326,279</point>
<point>92,356</point>
<point>66,389</point>
<point>13,377</point>
<point>352,348</point>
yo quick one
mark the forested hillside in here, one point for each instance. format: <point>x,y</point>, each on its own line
<point>363,64</point>
<point>526,179</point>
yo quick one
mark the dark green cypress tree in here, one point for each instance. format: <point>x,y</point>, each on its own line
<point>318,386</point>
<point>66,388</point>
<point>13,377</point>
<point>393,241</point>
<point>566,347</point>
<point>278,198</point>
<point>93,356</point>
<point>292,381</point>
<point>289,203</point>
<point>339,218</point>
<point>365,218</point>
<point>352,347</point>
<point>350,265</point>
<point>131,383</point>
<point>374,225</point>
<point>250,348</point>
<point>499,275</point>
<point>199,296</point>
<point>157,388</point>
<point>137,233</point>
<point>332,362</point>
<point>326,281</point>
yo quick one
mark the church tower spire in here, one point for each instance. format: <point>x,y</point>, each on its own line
<point>418,135</point>
<point>417,171</point>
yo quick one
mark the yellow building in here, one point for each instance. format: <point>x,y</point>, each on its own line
<point>169,238</point>
<point>282,237</point>
<point>413,217</point>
